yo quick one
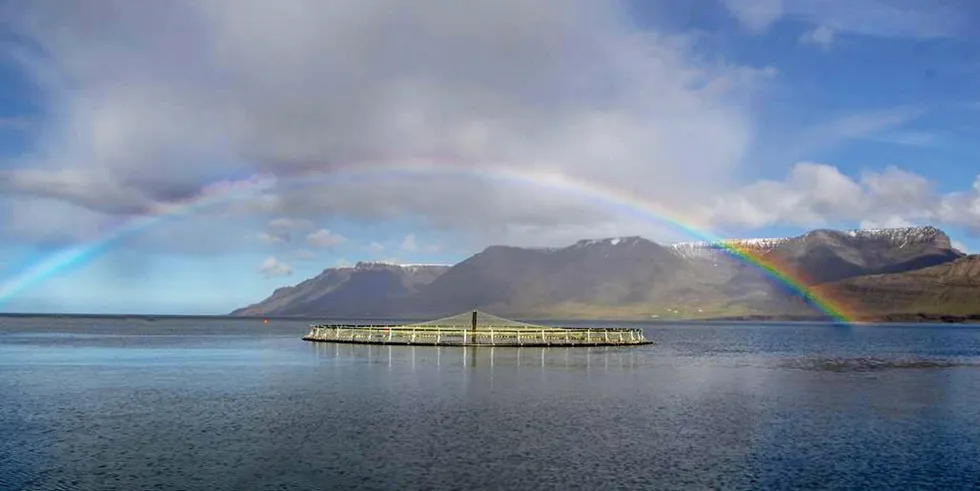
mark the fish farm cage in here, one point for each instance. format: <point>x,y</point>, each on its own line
<point>475,329</point>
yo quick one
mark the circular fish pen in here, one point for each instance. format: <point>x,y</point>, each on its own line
<point>475,329</point>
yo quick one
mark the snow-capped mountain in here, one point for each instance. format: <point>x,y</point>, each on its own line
<point>901,237</point>
<point>705,249</point>
<point>409,267</point>
<point>618,274</point>
<point>890,237</point>
<point>610,241</point>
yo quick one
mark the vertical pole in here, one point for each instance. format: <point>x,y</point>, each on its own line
<point>473,327</point>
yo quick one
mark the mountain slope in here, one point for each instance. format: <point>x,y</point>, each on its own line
<point>367,289</point>
<point>816,257</point>
<point>823,256</point>
<point>819,256</point>
<point>952,288</point>
<point>511,280</point>
<point>627,277</point>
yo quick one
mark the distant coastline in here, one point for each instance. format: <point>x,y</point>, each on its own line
<point>911,274</point>
<point>912,317</point>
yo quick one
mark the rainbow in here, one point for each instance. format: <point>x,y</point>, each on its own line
<point>73,257</point>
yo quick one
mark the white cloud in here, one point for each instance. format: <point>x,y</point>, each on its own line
<point>280,230</point>
<point>960,246</point>
<point>274,268</point>
<point>962,208</point>
<point>208,90</point>
<point>909,138</point>
<point>822,36</point>
<point>863,124</point>
<point>819,194</point>
<point>882,18</point>
<point>806,134</point>
<point>755,15</point>
<point>893,221</point>
<point>325,239</point>
<point>810,192</point>
<point>376,247</point>
<point>887,18</point>
<point>412,244</point>
<point>229,88</point>
<point>409,244</point>
<point>45,221</point>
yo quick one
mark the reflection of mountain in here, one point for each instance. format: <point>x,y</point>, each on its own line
<point>627,277</point>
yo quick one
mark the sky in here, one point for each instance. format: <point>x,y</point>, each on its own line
<point>192,156</point>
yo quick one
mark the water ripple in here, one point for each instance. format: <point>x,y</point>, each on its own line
<point>867,364</point>
<point>228,406</point>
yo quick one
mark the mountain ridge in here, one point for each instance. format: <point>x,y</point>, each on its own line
<point>622,277</point>
<point>334,286</point>
<point>951,288</point>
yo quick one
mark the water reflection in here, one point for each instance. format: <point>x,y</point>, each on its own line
<point>604,358</point>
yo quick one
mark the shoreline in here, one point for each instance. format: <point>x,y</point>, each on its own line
<point>896,318</point>
<point>903,317</point>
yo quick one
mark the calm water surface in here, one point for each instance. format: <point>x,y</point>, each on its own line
<point>91,404</point>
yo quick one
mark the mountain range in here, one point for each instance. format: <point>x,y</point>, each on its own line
<point>870,274</point>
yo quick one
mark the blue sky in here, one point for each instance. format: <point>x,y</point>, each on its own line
<point>746,118</point>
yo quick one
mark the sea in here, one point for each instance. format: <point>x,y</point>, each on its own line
<point>238,404</point>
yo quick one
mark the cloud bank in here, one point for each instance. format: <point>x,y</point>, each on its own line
<point>169,98</point>
<point>152,104</point>
<point>814,195</point>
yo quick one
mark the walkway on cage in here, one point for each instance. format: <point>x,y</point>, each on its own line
<point>475,328</point>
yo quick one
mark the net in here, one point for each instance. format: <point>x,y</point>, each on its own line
<point>483,321</point>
